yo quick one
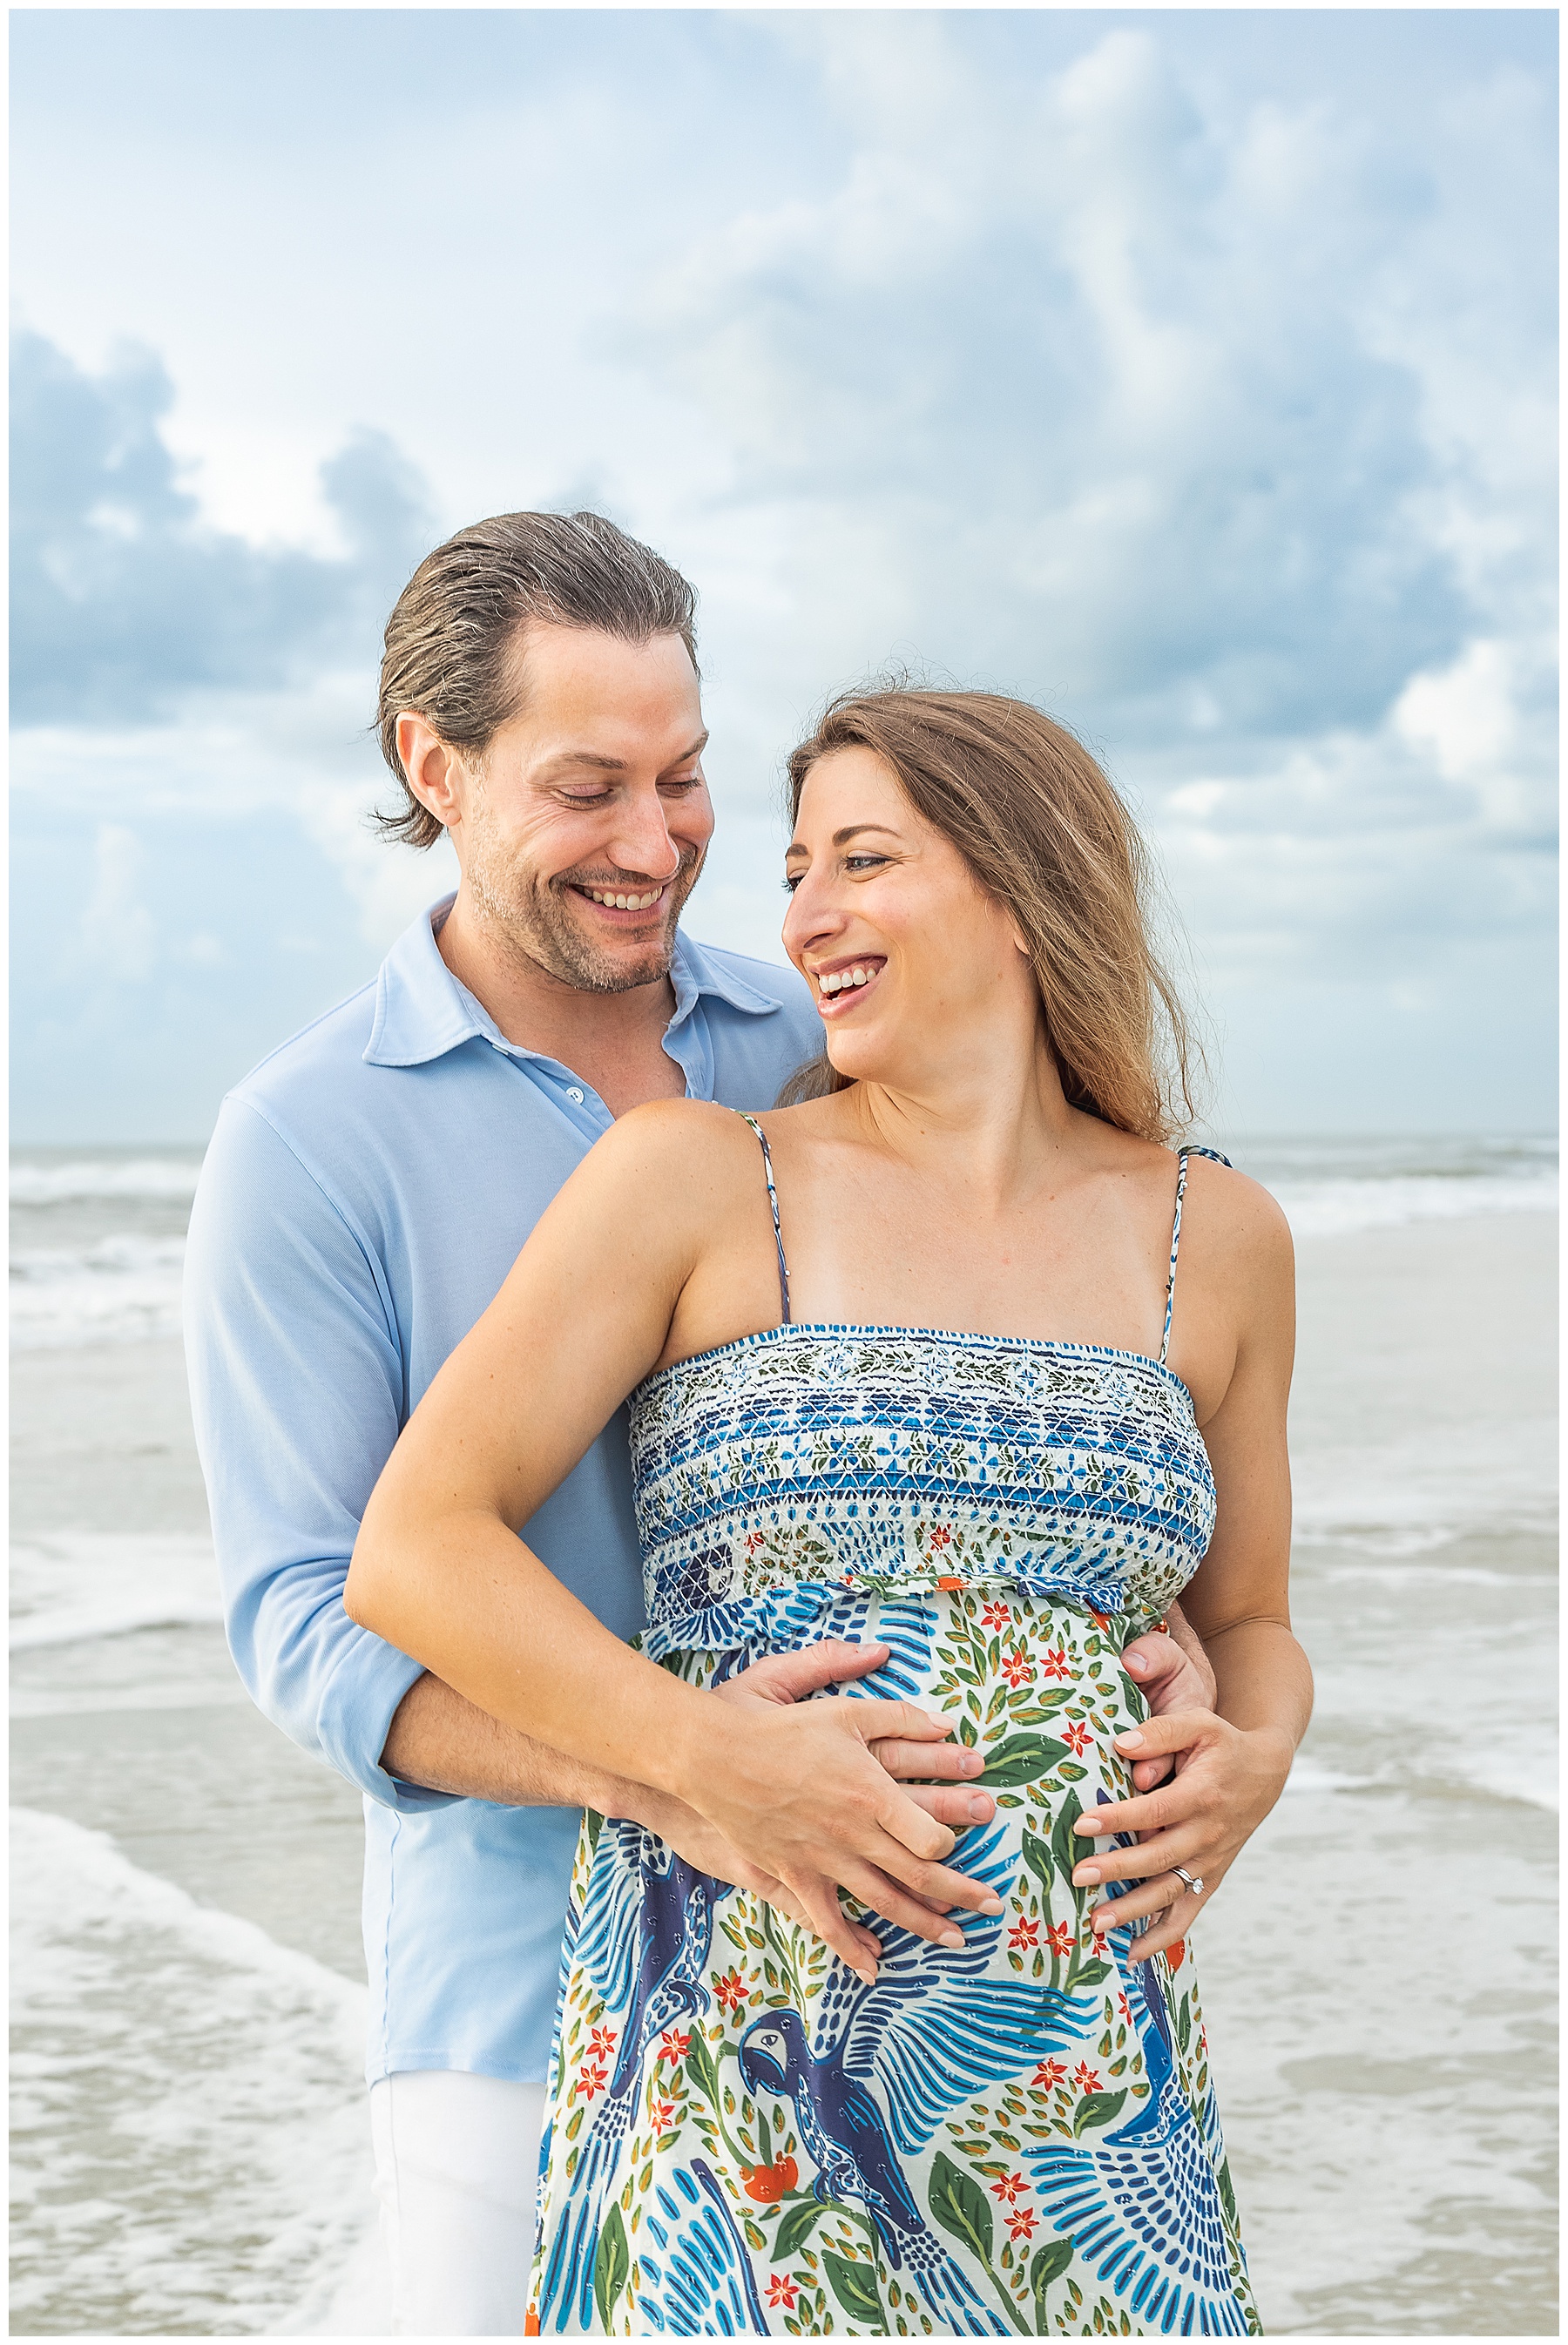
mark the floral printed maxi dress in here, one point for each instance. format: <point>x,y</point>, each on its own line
<point>1019,2137</point>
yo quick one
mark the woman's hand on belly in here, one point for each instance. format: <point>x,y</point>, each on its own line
<point>1226,1780</point>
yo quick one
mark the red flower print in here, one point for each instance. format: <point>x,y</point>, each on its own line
<point>782,2290</point>
<point>767,2184</point>
<point>1021,2222</point>
<point>1017,1667</point>
<point>531,2321</point>
<point>1101,1620</point>
<point>940,1535</point>
<point>1024,1933</point>
<point>673,2044</point>
<point>754,1539</point>
<point>1059,1938</point>
<point>731,1991</point>
<point>590,2080</point>
<point>1176,1954</point>
<point>1050,2074</point>
<point>1124,2008</point>
<point>1008,2186</point>
<point>997,1615</point>
<point>602,2043</point>
<point>1087,2079</point>
<point>1077,1738</point>
<point>1057,1665</point>
<point>664,2117</point>
<point>950,1587</point>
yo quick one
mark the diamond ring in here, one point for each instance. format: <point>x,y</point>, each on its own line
<point>1194,1880</point>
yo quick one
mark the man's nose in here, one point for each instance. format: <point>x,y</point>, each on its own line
<point>641,840</point>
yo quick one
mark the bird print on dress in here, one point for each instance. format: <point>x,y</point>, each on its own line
<point>653,1972</point>
<point>1015,2136</point>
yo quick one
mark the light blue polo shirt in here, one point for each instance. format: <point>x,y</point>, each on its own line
<point>366,1191</point>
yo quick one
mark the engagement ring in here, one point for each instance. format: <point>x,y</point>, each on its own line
<point>1194,1881</point>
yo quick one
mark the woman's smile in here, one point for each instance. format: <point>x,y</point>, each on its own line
<point>841,985</point>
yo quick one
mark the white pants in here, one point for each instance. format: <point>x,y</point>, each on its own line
<point>457,2174</point>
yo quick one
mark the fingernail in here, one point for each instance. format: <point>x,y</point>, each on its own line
<point>1086,1876</point>
<point>1132,1741</point>
<point>979,1809</point>
<point>1135,1660</point>
<point>992,1904</point>
<point>953,1938</point>
<point>869,1977</point>
<point>971,1763</point>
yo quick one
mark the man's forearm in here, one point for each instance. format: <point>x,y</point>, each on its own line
<point>442,1742</point>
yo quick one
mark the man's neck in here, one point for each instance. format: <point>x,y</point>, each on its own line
<point>613,1041</point>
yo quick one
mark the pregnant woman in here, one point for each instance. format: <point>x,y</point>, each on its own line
<point>953,1356</point>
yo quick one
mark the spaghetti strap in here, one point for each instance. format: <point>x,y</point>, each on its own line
<point>773,1200</point>
<point>1182,1155</point>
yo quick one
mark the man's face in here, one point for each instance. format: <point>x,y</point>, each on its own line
<point>583,833</point>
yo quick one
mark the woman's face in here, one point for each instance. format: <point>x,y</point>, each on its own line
<point>913,966</point>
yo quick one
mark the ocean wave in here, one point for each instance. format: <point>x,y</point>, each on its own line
<point>121,1289</point>
<point>1337,1207</point>
<point>74,1585</point>
<point>91,1178</point>
<point>191,2144</point>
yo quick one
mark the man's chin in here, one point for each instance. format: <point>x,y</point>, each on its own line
<point>601,964</point>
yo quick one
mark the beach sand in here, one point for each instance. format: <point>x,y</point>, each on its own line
<point>191,2151</point>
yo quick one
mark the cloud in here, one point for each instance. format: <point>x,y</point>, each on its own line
<point>124,601</point>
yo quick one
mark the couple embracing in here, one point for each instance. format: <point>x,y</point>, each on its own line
<point>712,1452</point>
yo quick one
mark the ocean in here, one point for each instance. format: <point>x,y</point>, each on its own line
<point>190,2150</point>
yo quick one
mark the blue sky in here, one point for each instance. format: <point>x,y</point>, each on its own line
<point>1192,373</point>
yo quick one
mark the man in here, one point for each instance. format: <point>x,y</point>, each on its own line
<point>365,1192</point>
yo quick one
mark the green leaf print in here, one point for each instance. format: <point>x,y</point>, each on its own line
<point>855,2286</point>
<point>796,2229</point>
<point>1090,1975</point>
<point>1021,1758</point>
<point>961,2205</point>
<point>1228,2193</point>
<point>612,2263</point>
<point>1050,2264</point>
<point>1096,2109</point>
<point>1037,1857</point>
<point>1066,1846</point>
<point>1071,1771</point>
<point>596,1825</point>
<point>699,2068</point>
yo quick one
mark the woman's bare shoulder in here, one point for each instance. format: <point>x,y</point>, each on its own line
<point>1231,1221</point>
<point>688,1141</point>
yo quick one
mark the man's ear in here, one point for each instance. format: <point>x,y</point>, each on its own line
<point>436,775</point>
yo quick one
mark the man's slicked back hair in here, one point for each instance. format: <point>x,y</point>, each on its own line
<point>455,631</point>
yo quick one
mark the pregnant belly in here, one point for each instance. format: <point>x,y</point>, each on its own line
<point>1033,1683</point>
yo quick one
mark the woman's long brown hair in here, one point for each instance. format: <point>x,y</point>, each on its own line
<point>1045,834</point>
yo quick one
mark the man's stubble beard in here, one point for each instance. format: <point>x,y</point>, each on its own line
<point>529,919</point>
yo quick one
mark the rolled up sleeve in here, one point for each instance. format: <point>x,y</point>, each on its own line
<point>297,1385</point>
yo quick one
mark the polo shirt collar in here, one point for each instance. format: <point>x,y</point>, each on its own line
<point>422,1011</point>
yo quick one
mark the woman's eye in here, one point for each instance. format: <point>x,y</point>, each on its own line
<point>863,862</point>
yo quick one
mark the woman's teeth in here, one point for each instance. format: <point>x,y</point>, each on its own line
<point>838,979</point>
<point>623,903</point>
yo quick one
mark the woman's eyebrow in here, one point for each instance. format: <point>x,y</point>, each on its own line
<point>843,838</point>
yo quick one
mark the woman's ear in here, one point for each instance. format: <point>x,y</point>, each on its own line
<point>1022,946</point>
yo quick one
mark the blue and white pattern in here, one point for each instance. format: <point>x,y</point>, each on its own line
<point>1018,2137</point>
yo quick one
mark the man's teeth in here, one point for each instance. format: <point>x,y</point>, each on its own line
<point>623,903</point>
<point>838,978</point>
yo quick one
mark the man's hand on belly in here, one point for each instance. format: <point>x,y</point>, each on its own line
<point>1172,1671</point>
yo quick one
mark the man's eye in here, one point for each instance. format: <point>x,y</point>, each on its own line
<point>792,880</point>
<point>586,797</point>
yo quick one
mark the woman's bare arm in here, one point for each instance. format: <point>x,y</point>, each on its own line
<point>439,1570</point>
<point>1231,1763</point>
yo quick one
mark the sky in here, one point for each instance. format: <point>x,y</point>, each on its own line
<point>1191,373</point>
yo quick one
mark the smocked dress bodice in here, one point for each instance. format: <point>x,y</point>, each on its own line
<point>885,1460</point>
